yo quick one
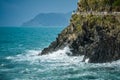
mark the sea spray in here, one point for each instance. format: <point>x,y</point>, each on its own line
<point>53,65</point>
<point>23,62</point>
<point>60,55</point>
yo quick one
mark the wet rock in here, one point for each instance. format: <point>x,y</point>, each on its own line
<point>97,37</point>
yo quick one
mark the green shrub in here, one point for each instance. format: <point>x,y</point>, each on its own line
<point>116,3</point>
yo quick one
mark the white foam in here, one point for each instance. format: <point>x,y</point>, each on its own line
<point>112,64</point>
<point>58,62</point>
<point>87,60</point>
<point>61,56</point>
<point>27,56</point>
<point>57,57</point>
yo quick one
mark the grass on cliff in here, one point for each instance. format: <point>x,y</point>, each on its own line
<point>116,3</point>
<point>99,5</point>
<point>105,21</point>
<point>77,21</point>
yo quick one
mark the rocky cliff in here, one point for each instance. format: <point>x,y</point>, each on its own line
<point>94,32</point>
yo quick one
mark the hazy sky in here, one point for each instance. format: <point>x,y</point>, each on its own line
<point>15,12</point>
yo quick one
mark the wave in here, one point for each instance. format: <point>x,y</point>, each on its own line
<point>59,57</point>
<point>57,64</point>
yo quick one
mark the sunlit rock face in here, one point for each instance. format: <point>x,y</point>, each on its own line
<point>94,31</point>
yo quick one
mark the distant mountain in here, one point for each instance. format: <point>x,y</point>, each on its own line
<point>49,19</point>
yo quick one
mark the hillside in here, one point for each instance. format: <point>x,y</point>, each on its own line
<point>49,19</point>
<point>94,31</point>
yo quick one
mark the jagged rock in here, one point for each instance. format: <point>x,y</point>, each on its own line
<point>97,36</point>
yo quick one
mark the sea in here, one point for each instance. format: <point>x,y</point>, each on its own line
<point>19,60</point>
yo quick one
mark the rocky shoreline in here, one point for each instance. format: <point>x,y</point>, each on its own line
<point>97,37</point>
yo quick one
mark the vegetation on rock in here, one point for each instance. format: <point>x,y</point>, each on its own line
<point>94,31</point>
<point>116,3</point>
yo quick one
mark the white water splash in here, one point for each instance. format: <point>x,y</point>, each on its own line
<point>57,63</point>
<point>29,55</point>
<point>57,56</point>
<point>87,60</point>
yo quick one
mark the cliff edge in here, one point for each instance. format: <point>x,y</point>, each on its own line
<point>94,31</point>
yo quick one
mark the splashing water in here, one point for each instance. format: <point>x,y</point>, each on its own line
<point>57,57</point>
<point>19,58</point>
<point>59,66</point>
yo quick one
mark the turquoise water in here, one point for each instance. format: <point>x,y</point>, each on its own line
<point>19,48</point>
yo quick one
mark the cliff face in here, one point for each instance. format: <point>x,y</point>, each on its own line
<point>94,31</point>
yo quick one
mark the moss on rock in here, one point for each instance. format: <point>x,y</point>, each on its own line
<point>95,36</point>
